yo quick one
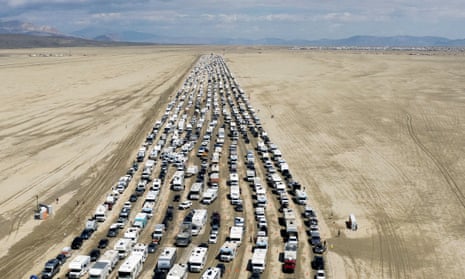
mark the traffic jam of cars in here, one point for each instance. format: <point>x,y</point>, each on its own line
<point>205,171</point>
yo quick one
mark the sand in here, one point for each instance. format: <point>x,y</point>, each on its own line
<point>377,135</point>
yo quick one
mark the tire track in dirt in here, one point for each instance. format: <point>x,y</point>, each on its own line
<point>36,183</point>
<point>305,249</point>
<point>442,169</point>
<point>20,257</point>
<point>389,241</point>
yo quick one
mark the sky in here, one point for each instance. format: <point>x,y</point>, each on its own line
<point>247,19</point>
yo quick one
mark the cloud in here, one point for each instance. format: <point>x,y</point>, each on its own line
<point>291,18</point>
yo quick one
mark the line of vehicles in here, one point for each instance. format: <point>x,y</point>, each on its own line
<point>227,117</point>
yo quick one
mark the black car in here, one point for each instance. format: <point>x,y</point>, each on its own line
<point>124,212</point>
<point>103,243</point>
<point>61,259</point>
<point>133,198</point>
<point>94,254</point>
<point>86,233</point>
<point>131,171</point>
<point>177,198</point>
<point>188,218</point>
<point>320,248</point>
<point>222,268</point>
<point>135,165</point>
<point>203,244</point>
<point>160,274</point>
<point>169,212</point>
<point>112,232</point>
<point>77,243</point>
<point>255,275</point>
<point>318,263</point>
<point>315,240</point>
<point>239,208</point>
<point>216,219</point>
<point>152,247</point>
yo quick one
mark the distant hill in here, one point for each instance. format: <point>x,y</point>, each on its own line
<point>355,41</point>
<point>395,41</point>
<point>10,41</point>
<point>94,36</point>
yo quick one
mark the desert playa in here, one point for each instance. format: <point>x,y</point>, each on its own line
<point>377,135</point>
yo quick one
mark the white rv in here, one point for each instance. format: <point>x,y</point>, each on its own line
<point>233,178</point>
<point>101,213</point>
<point>140,249</point>
<point>196,191</point>
<point>166,259</point>
<point>148,208</point>
<point>131,268</point>
<point>234,192</point>
<point>124,247</point>
<point>300,197</point>
<point>199,220</point>
<point>79,266</point>
<point>235,234</point>
<point>178,271</point>
<point>197,259</point>
<point>152,196</point>
<point>111,257</point>
<point>211,273</point>
<point>209,196</point>
<point>259,260</point>
<point>177,183</point>
<point>100,270</point>
<point>132,234</point>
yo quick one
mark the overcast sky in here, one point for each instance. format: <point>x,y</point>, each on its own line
<point>250,19</point>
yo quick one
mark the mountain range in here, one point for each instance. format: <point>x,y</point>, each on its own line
<point>15,31</point>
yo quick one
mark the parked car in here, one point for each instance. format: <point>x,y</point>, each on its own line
<point>103,243</point>
<point>213,238</point>
<point>125,211</point>
<point>86,233</point>
<point>318,263</point>
<point>222,268</point>
<point>51,268</point>
<point>133,198</point>
<point>77,243</point>
<point>61,259</point>
<point>121,222</point>
<point>185,205</point>
<point>152,247</point>
<point>94,254</point>
<point>113,230</point>
<point>239,208</point>
<point>320,248</point>
<point>320,274</point>
<point>169,213</point>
